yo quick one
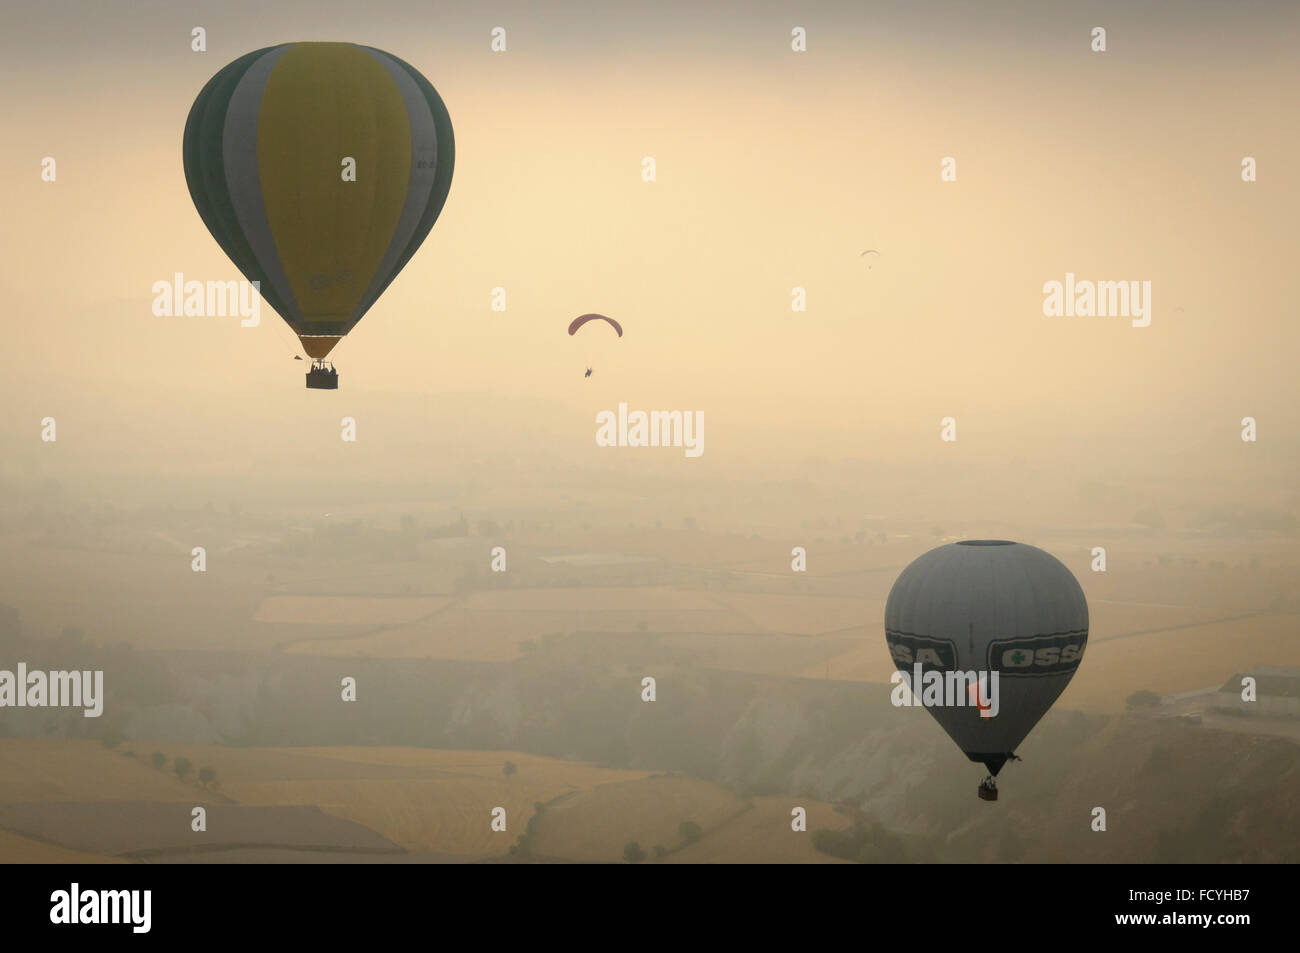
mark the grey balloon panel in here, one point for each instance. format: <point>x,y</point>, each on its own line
<point>1020,708</point>
<point>978,595</point>
<point>243,180</point>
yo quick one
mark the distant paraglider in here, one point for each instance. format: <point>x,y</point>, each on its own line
<point>991,607</point>
<point>584,319</point>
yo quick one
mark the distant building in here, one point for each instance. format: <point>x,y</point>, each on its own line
<point>1277,692</point>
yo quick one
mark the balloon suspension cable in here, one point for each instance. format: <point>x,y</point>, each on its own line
<point>292,342</point>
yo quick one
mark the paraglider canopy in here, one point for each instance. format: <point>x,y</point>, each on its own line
<point>585,318</point>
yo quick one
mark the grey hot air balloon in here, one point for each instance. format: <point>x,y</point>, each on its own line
<point>990,605</point>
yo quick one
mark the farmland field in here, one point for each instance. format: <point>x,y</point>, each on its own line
<point>16,849</point>
<point>436,802</point>
<point>763,835</point>
<point>345,610</point>
<point>595,825</point>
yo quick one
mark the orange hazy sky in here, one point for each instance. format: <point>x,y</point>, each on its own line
<point>775,170</point>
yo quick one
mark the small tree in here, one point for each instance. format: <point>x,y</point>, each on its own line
<point>159,759</point>
<point>207,776</point>
<point>689,831</point>
<point>509,769</point>
<point>182,767</point>
<point>633,853</point>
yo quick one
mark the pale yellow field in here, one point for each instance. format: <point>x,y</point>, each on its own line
<point>50,769</point>
<point>593,599</point>
<point>867,661</point>
<point>1109,619</point>
<point>424,800</point>
<point>447,637</point>
<point>595,825</point>
<point>485,764</point>
<point>803,615</point>
<point>759,654</point>
<point>22,850</point>
<point>741,553</point>
<point>1179,661</point>
<point>489,626</point>
<point>346,610</point>
<point>436,801</point>
<point>762,835</point>
<point>436,815</point>
<point>827,558</point>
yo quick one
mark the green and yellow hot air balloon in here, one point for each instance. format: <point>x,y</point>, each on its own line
<point>319,168</point>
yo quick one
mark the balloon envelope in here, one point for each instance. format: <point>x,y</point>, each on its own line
<point>267,150</point>
<point>991,606</point>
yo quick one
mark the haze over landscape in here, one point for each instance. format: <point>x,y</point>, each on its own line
<point>475,429</point>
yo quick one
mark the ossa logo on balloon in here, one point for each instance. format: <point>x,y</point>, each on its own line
<point>318,282</point>
<point>1043,655</point>
<point>930,654</point>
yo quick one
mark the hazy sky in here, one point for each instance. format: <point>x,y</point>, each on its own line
<point>775,170</point>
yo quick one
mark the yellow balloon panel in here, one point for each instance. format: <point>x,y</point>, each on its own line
<point>325,104</point>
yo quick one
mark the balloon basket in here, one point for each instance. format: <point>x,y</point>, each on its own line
<point>322,377</point>
<point>988,790</point>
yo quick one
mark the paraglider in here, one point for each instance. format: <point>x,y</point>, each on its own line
<point>584,319</point>
<point>319,168</point>
<point>992,614</point>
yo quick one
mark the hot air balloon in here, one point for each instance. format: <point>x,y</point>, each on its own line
<point>584,319</point>
<point>319,168</point>
<point>995,606</point>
